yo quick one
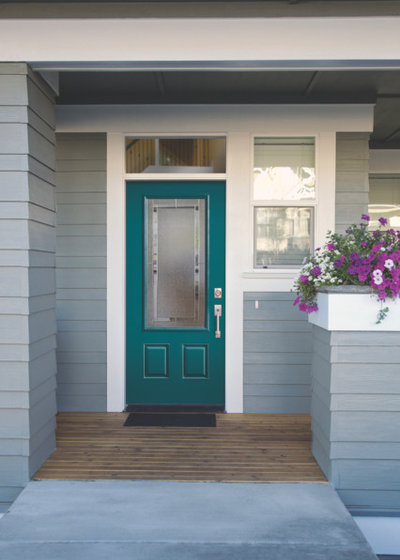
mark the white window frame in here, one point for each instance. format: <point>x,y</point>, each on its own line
<point>305,203</point>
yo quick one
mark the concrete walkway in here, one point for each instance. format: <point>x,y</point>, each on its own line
<point>151,520</point>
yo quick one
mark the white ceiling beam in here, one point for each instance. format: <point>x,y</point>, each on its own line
<point>203,43</point>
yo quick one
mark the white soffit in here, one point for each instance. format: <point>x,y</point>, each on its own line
<point>300,42</point>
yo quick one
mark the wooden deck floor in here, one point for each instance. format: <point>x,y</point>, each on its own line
<point>242,448</point>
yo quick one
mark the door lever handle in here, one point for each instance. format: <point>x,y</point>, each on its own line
<point>218,314</point>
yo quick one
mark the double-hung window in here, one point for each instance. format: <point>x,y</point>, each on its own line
<point>284,199</point>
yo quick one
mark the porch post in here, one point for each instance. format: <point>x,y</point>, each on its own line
<point>27,277</point>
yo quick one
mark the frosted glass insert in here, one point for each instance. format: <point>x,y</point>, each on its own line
<point>176,262</point>
<point>282,236</point>
<point>284,169</point>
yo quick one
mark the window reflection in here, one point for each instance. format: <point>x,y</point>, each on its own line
<point>175,155</point>
<point>282,235</point>
<point>284,169</point>
<point>384,201</point>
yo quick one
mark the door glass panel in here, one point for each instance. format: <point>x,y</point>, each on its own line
<point>175,257</point>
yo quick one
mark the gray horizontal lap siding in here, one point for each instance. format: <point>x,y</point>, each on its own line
<point>81,272</point>
<point>277,355</point>
<point>355,418</point>
<point>352,187</point>
<point>27,287</point>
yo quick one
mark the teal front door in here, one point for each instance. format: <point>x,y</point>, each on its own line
<point>175,293</point>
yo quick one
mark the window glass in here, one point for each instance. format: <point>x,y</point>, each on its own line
<point>282,235</point>
<point>384,200</point>
<point>284,168</point>
<point>175,155</point>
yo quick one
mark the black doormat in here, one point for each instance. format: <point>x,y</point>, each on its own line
<point>179,419</point>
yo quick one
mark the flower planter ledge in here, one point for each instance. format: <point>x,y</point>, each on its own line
<point>353,308</point>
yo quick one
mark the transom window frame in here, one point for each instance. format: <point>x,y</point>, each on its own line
<point>193,176</point>
<point>271,203</point>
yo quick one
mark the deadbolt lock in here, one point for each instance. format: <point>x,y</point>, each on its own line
<point>218,293</point>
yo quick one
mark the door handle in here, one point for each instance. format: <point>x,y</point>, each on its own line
<point>218,314</point>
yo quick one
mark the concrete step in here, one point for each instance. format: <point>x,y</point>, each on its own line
<point>162,520</point>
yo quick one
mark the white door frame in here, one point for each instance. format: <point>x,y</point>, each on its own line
<point>239,124</point>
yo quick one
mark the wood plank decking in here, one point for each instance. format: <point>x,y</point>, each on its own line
<point>242,448</point>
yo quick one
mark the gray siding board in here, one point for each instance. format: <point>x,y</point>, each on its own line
<point>81,262</point>
<point>81,358</point>
<point>274,405</point>
<point>352,187</point>
<point>94,294</point>
<point>277,352</point>
<point>356,415</point>
<point>81,272</point>
<point>275,390</point>
<point>78,403</point>
<point>81,341</point>
<point>89,181</point>
<point>73,310</point>
<point>81,278</point>
<point>365,450</point>
<point>76,373</point>
<point>362,499</point>
<point>276,326</point>
<point>277,342</point>
<point>80,246</point>
<point>368,475</point>
<point>27,247</point>
<point>91,389</point>
<point>13,90</point>
<point>41,453</point>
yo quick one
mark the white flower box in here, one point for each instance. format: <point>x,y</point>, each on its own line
<point>354,312</point>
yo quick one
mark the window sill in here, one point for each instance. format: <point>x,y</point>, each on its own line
<point>272,273</point>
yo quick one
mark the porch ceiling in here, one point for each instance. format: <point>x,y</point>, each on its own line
<point>225,87</point>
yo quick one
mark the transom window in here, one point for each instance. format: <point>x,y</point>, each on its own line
<point>284,199</point>
<point>175,155</point>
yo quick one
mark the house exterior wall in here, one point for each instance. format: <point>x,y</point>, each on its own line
<point>27,288</point>
<point>277,355</point>
<point>356,418</point>
<point>81,272</point>
<point>277,337</point>
<point>352,186</point>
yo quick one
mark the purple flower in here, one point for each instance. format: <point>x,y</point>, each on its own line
<point>339,262</point>
<point>355,258</point>
<point>365,217</point>
<point>364,243</point>
<point>296,301</point>
<point>304,279</point>
<point>316,271</point>
<point>331,246</point>
<point>383,221</point>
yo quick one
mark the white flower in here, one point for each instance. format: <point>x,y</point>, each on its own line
<point>389,264</point>
<point>377,273</point>
<point>383,248</point>
<point>378,280</point>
